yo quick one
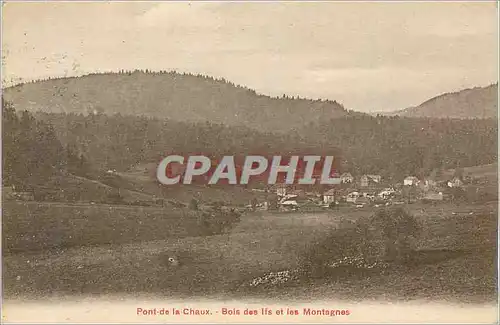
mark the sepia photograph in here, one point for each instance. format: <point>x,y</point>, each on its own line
<point>249,162</point>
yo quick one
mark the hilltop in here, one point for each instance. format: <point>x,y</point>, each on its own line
<point>478,102</point>
<point>182,97</point>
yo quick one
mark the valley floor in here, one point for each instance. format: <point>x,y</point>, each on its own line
<point>457,261</point>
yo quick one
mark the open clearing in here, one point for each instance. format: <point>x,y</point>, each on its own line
<point>457,260</point>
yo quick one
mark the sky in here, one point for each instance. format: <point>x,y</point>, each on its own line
<point>368,56</point>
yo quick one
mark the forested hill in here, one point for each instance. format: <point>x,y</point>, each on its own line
<point>38,146</point>
<point>181,97</point>
<point>479,102</point>
<point>46,143</point>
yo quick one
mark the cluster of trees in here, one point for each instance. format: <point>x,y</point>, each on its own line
<point>390,146</point>
<point>32,152</point>
<point>217,220</point>
<point>121,142</point>
<point>386,237</point>
<point>398,147</point>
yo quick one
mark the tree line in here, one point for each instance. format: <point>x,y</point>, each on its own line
<point>38,145</point>
<point>32,151</point>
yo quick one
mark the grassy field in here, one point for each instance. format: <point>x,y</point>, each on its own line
<point>145,182</point>
<point>456,252</point>
<point>36,226</point>
<point>487,171</point>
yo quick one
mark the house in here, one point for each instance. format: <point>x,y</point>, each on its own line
<point>375,178</point>
<point>279,189</point>
<point>364,181</point>
<point>263,206</point>
<point>430,182</point>
<point>329,196</point>
<point>289,205</point>
<point>352,197</point>
<point>411,181</point>
<point>346,178</point>
<point>433,196</point>
<point>386,193</point>
<point>288,197</point>
<point>367,180</point>
<point>455,182</point>
<point>422,186</point>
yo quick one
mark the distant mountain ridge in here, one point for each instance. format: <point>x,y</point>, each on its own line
<point>477,102</point>
<point>183,97</point>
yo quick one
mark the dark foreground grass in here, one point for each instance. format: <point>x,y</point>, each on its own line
<point>463,277</point>
<point>39,226</point>
<point>455,258</point>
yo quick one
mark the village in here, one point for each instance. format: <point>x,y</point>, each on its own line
<point>371,191</point>
<point>364,191</point>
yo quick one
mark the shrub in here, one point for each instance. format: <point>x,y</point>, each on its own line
<point>217,221</point>
<point>193,205</point>
<point>383,238</point>
<point>392,232</point>
<point>114,198</point>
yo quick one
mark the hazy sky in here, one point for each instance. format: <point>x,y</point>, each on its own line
<point>368,56</point>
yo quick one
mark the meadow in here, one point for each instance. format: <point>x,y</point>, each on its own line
<point>456,254</point>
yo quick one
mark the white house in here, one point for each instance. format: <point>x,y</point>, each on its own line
<point>352,197</point>
<point>367,179</point>
<point>280,189</point>
<point>287,197</point>
<point>455,182</point>
<point>375,178</point>
<point>386,193</point>
<point>329,196</point>
<point>346,178</point>
<point>289,205</point>
<point>411,181</point>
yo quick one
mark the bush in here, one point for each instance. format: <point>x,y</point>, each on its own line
<point>392,231</point>
<point>193,205</point>
<point>217,221</point>
<point>114,198</point>
<point>386,237</point>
